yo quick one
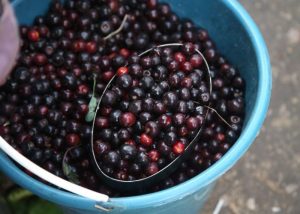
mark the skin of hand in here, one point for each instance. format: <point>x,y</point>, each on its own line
<point>9,40</point>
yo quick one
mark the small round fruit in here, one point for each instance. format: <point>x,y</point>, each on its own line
<point>127,119</point>
<point>146,140</point>
<point>178,148</point>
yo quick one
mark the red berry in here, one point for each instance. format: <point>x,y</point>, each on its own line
<point>130,142</point>
<point>78,46</point>
<point>43,110</point>
<point>179,57</point>
<point>220,137</point>
<point>105,111</point>
<point>164,121</point>
<point>192,123</point>
<point>153,155</point>
<point>91,47</point>
<point>186,67</point>
<point>113,5</point>
<point>40,59</point>
<point>83,89</point>
<point>73,139</point>
<point>83,109</point>
<point>127,119</point>
<point>196,61</point>
<point>102,122</point>
<point>152,168</point>
<point>178,148</point>
<point>151,4</point>
<point>124,52</point>
<point>77,71</point>
<point>186,82</point>
<point>107,75</point>
<point>33,35</point>
<point>146,140</point>
<point>122,70</point>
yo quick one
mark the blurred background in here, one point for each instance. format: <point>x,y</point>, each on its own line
<point>267,178</point>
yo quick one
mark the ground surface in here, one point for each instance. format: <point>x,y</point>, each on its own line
<point>267,178</point>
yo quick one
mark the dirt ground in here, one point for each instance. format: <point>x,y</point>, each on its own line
<point>267,178</point>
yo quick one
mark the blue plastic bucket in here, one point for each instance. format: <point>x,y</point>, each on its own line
<point>239,39</point>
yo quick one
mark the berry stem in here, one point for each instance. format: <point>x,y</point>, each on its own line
<point>7,123</point>
<point>67,169</point>
<point>118,30</point>
<point>92,105</point>
<point>214,110</point>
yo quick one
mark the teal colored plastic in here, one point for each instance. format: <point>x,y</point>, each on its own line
<point>237,36</point>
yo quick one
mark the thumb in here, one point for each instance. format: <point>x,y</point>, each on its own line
<point>9,40</point>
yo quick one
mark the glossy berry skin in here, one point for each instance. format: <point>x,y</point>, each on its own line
<point>196,61</point>
<point>146,140</point>
<point>145,117</point>
<point>179,57</point>
<point>152,128</point>
<point>124,81</point>
<point>188,48</point>
<point>102,122</point>
<point>122,70</point>
<point>73,139</point>
<point>112,158</point>
<point>148,104</point>
<point>142,159</point>
<point>170,138</point>
<point>147,82</point>
<point>157,91</point>
<point>164,121</point>
<point>109,98</point>
<point>192,123</point>
<point>101,147</point>
<point>170,99</point>
<point>33,35</point>
<point>179,119</point>
<point>91,47</point>
<point>152,168</point>
<point>178,148</point>
<point>128,151</point>
<point>135,107</point>
<point>127,119</point>
<point>154,155</point>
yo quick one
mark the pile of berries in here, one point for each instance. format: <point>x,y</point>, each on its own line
<point>150,113</point>
<point>147,116</point>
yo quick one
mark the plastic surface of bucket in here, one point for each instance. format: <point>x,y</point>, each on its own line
<point>238,38</point>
